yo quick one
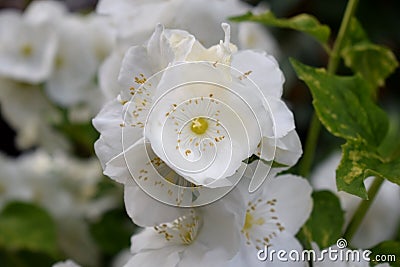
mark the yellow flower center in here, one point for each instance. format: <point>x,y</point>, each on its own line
<point>26,50</point>
<point>199,125</point>
<point>250,221</point>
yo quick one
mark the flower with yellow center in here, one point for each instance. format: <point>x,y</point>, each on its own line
<point>273,216</point>
<point>27,49</point>
<point>191,115</point>
<point>199,237</point>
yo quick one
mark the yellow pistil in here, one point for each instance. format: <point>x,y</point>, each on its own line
<point>199,125</point>
<point>59,62</point>
<point>250,221</point>
<point>26,50</point>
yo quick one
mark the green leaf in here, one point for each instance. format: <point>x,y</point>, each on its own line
<point>390,146</point>
<point>359,162</point>
<point>355,35</point>
<point>303,22</point>
<point>388,251</point>
<point>353,169</point>
<point>373,62</point>
<point>344,106</point>
<point>25,226</point>
<point>25,258</point>
<point>326,221</point>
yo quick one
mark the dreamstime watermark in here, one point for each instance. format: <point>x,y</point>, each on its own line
<point>332,254</point>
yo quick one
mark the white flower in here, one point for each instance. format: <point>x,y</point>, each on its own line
<point>274,215</point>
<point>135,21</point>
<point>67,263</point>
<point>64,187</point>
<point>226,118</point>
<point>83,43</point>
<point>378,224</point>
<point>229,232</point>
<point>207,236</point>
<point>27,50</point>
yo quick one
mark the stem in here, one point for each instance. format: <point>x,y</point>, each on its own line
<point>362,209</point>
<point>311,144</point>
<point>315,126</point>
<point>335,56</point>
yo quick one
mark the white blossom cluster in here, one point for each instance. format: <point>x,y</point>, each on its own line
<point>191,123</point>
<point>164,138</point>
<point>49,59</point>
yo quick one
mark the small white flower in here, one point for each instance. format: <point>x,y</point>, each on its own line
<point>207,236</point>
<point>83,43</point>
<point>62,185</point>
<point>274,215</point>
<point>378,224</point>
<point>27,50</point>
<point>65,187</point>
<point>75,62</point>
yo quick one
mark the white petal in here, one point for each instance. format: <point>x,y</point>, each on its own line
<point>285,150</point>
<point>294,202</point>
<point>282,116</point>
<point>148,239</point>
<point>167,257</point>
<point>144,210</point>
<point>75,65</point>
<point>247,255</point>
<point>265,72</point>
<point>44,11</point>
<point>108,74</point>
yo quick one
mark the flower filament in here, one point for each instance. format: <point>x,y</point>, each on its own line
<point>182,231</point>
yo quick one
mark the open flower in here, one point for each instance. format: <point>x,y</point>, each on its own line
<point>27,49</point>
<point>274,215</point>
<point>184,143</point>
<point>229,232</point>
<point>207,236</point>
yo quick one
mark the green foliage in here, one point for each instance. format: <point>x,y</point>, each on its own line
<point>112,233</point>
<point>373,62</point>
<point>303,22</point>
<point>345,107</point>
<point>25,226</point>
<point>388,250</point>
<point>326,221</point>
<point>81,135</point>
<point>25,258</point>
